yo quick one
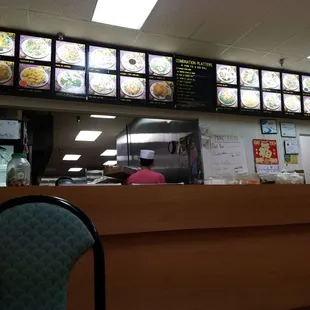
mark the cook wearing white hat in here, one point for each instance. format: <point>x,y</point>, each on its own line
<point>146,175</point>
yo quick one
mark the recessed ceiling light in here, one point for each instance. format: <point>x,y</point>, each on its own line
<point>103,116</point>
<point>308,57</point>
<point>75,169</point>
<point>88,135</point>
<point>110,163</point>
<point>109,153</point>
<point>71,157</point>
<point>123,13</point>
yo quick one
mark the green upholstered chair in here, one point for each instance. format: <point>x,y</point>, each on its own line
<point>41,238</point>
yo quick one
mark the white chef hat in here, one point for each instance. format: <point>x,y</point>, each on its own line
<point>147,154</point>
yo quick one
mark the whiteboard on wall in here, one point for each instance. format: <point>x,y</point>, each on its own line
<point>227,154</point>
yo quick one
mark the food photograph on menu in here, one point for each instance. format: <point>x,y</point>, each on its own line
<point>307,104</point>
<point>226,74</point>
<point>227,97</point>
<point>249,77</point>
<point>250,99</point>
<point>290,82</point>
<point>34,76</point>
<point>306,84</point>
<point>132,62</point>
<point>272,101</point>
<point>70,81</point>
<point>133,88</point>
<point>6,73</point>
<point>271,80</point>
<point>160,65</point>
<point>7,44</point>
<point>292,103</point>
<point>161,91</point>
<point>35,48</point>
<point>102,84</point>
<point>102,58</point>
<point>70,53</point>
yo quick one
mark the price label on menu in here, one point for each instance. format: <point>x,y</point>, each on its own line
<point>195,83</point>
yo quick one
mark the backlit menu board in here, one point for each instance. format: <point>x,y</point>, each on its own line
<point>195,83</point>
<point>291,94</point>
<point>34,72</point>
<point>133,84</point>
<point>7,59</point>
<point>306,94</point>
<point>227,91</point>
<point>70,70</point>
<point>161,82</point>
<point>271,93</point>
<point>102,75</point>
<point>250,97</point>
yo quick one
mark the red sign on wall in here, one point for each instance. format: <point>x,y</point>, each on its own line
<point>266,155</point>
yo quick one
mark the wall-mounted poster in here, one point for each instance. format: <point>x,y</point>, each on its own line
<point>266,156</point>
<point>288,130</point>
<point>7,44</point>
<point>268,126</point>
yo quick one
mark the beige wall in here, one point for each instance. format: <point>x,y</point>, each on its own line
<point>248,127</point>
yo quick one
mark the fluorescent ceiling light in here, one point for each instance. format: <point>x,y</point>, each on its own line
<point>71,157</point>
<point>75,169</point>
<point>103,116</point>
<point>109,153</point>
<point>110,163</point>
<point>308,57</point>
<point>123,13</point>
<point>88,135</point>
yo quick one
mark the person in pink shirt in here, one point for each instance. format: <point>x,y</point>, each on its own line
<point>146,175</point>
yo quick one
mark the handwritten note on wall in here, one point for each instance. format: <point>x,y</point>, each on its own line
<point>10,130</point>
<point>228,155</point>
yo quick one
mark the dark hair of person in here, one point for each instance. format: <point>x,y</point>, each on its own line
<point>146,162</point>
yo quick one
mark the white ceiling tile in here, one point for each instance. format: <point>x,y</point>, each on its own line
<point>76,9</point>
<point>16,4</point>
<point>242,55</point>
<point>178,18</point>
<point>227,21</point>
<point>13,18</point>
<point>272,60</point>
<point>298,45</point>
<point>288,19</point>
<point>81,29</point>
<point>158,42</point>
<point>302,65</point>
<point>202,49</point>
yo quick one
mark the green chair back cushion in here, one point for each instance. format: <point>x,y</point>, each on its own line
<point>39,245</point>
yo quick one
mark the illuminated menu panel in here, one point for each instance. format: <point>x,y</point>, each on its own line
<point>290,82</point>
<point>195,83</point>
<point>133,88</point>
<point>250,99</point>
<point>161,91</point>
<point>226,74</point>
<point>249,77</point>
<point>271,80</point>
<point>292,104</point>
<point>272,101</point>
<point>306,94</point>
<point>102,58</point>
<point>69,81</point>
<point>35,48</point>
<point>227,97</point>
<point>160,66</point>
<point>34,77</point>
<point>132,62</point>
<point>7,44</point>
<point>6,73</point>
<point>69,53</point>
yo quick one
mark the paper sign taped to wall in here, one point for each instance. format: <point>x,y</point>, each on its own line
<point>10,130</point>
<point>228,155</point>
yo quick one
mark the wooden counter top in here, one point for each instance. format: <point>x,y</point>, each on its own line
<point>193,247</point>
<point>135,209</point>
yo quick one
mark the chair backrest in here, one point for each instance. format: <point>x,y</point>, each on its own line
<point>41,238</point>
